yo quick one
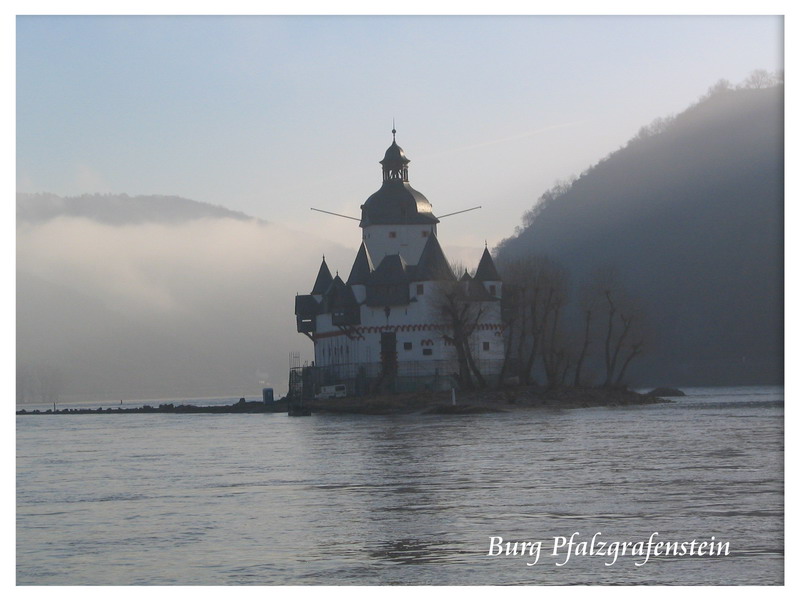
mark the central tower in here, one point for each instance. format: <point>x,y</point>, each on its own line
<point>388,326</point>
<point>397,219</point>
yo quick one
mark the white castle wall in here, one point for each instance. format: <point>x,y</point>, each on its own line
<point>408,241</point>
<point>417,324</point>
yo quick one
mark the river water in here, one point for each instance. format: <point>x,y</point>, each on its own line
<point>370,500</point>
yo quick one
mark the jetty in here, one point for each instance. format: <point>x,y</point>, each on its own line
<point>242,406</point>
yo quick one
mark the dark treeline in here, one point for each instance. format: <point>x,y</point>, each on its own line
<point>558,334</point>
<point>690,215</point>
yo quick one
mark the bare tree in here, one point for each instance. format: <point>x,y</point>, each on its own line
<point>589,300</point>
<point>460,318</point>
<point>722,86</point>
<point>556,355</point>
<point>624,333</point>
<point>560,188</point>
<point>759,79</point>
<point>512,314</point>
<point>539,286</point>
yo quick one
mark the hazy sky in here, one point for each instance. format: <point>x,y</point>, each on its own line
<point>274,115</point>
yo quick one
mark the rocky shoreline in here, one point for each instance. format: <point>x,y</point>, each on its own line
<point>484,401</point>
<point>242,406</point>
<point>435,403</point>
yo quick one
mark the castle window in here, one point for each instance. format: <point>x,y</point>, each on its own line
<point>424,234</point>
<point>493,290</point>
<point>392,234</point>
<point>486,346</point>
<point>420,289</point>
<point>407,346</point>
<point>427,351</point>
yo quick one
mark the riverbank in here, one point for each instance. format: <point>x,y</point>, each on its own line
<point>483,401</point>
<point>475,402</point>
<point>242,406</point>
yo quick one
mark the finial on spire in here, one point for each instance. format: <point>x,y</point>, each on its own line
<point>486,244</point>
<point>394,131</point>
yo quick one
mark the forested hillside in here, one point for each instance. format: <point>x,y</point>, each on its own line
<point>690,214</point>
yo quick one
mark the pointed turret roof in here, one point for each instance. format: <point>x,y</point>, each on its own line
<point>362,267</point>
<point>465,276</point>
<point>433,265</point>
<point>336,283</point>
<point>324,279</point>
<point>339,294</point>
<point>486,269</point>
<point>391,271</point>
<point>476,292</point>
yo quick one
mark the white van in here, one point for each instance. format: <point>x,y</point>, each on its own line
<point>332,391</point>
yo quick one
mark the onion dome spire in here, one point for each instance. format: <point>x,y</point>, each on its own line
<point>395,163</point>
<point>396,203</point>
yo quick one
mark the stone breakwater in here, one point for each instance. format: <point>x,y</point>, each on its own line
<point>242,406</point>
<point>474,402</point>
<point>478,401</point>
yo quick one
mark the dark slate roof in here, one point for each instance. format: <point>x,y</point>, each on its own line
<point>433,265</point>
<point>394,153</point>
<point>306,306</point>
<point>339,294</point>
<point>336,282</point>
<point>465,276</point>
<point>362,267</point>
<point>486,269</point>
<point>388,284</point>
<point>392,271</point>
<point>324,279</point>
<point>397,203</point>
<point>476,292</point>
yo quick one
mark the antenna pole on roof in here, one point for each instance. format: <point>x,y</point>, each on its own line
<point>327,212</point>
<point>458,212</point>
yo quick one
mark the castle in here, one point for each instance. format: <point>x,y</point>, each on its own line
<point>402,321</point>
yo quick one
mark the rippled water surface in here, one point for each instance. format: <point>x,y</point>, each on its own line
<point>268,499</point>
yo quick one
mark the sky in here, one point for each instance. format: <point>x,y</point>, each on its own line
<point>274,115</point>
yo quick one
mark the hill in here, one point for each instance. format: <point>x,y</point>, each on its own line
<point>119,209</point>
<point>690,213</point>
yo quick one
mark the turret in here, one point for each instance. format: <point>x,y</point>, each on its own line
<point>487,274</point>
<point>360,273</point>
<point>397,219</point>
<point>323,281</point>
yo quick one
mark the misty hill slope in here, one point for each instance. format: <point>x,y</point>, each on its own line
<point>692,217</point>
<point>157,297</point>
<point>118,209</point>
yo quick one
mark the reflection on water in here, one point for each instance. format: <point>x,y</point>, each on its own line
<point>265,499</point>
